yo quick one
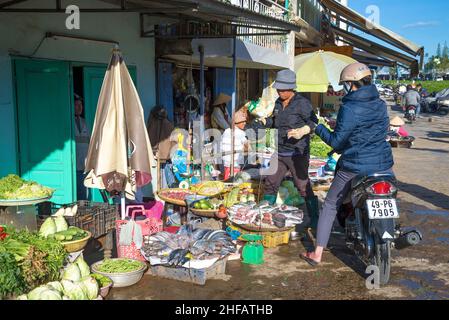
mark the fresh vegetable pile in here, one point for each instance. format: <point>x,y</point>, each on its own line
<point>102,280</point>
<point>56,227</point>
<point>289,195</point>
<point>207,204</point>
<point>77,284</point>
<point>119,266</point>
<point>27,260</point>
<point>208,188</point>
<point>12,187</point>
<point>318,148</point>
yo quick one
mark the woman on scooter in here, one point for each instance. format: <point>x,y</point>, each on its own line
<point>360,137</point>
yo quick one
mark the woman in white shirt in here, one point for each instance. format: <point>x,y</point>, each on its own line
<point>240,146</point>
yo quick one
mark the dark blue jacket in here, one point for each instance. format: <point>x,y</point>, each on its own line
<point>297,114</point>
<point>360,133</point>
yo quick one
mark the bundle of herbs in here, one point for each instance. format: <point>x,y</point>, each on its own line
<point>39,260</point>
<point>318,148</point>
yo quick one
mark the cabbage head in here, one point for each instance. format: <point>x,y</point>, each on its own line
<point>288,184</point>
<point>72,272</point>
<point>61,224</point>
<point>82,265</point>
<point>48,227</point>
<point>22,297</point>
<point>74,291</point>
<point>50,294</point>
<point>36,293</point>
<point>295,201</point>
<point>90,288</point>
<point>56,285</point>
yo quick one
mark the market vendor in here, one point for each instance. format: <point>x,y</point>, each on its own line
<point>240,145</point>
<point>397,127</point>
<point>82,139</point>
<point>294,119</point>
<point>220,117</point>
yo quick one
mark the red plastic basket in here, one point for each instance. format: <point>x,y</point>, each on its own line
<point>149,226</point>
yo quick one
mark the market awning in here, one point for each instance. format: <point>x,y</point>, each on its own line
<point>371,59</point>
<point>358,21</point>
<point>218,54</point>
<point>308,34</point>
<point>205,10</point>
<point>377,49</point>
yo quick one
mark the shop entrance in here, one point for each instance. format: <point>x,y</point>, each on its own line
<point>50,142</point>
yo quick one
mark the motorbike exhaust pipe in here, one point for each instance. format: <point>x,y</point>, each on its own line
<point>408,237</point>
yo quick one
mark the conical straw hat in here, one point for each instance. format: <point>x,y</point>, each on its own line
<point>222,98</point>
<point>397,122</point>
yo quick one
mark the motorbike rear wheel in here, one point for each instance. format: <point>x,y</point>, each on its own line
<point>382,259</point>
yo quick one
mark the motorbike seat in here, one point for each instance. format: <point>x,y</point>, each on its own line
<point>360,179</point>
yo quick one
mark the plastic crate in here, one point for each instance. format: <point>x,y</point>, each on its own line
<point>96,217</point>
<point>196,276</point>
<point>270,239</point>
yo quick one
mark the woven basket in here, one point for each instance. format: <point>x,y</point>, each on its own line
<point>77,245</point>
<point>177,202</point>
<point>204,213</point>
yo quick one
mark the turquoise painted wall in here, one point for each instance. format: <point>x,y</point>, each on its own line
<point>20,34</point>
<point>8,152</point>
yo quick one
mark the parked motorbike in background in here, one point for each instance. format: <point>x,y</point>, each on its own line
<point>369,216</point>
<point>410,113</point>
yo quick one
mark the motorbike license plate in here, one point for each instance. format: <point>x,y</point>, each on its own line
<point>382,209</point>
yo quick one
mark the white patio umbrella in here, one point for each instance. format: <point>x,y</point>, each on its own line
<point>120,155</point>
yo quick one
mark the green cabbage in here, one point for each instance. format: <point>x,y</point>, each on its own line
<point>82,265</point>
<point>74,291</point>
<point>72,272</point>
<point>288,184</point>
<point>294,201</point>
<point>56,285</point>
<point>48,227</point>
<point>50,294</point>
<point>91,288</point>
<point>36,293</point>
<point>61,224</point>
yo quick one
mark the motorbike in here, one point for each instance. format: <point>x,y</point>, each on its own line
<point>410,113</point>
<point>369,216</point>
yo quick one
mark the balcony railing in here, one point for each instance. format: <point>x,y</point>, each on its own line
<point>272,10</point>
<point>278,43</point>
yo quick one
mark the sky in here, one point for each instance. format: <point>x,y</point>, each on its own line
<point>424,22</point>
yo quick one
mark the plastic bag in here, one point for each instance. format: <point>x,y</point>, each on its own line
<point>282,196</point>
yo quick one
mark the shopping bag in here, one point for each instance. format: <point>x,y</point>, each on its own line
<point>139,229</point>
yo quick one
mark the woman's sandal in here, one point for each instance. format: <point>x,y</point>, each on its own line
<point>310,261</point>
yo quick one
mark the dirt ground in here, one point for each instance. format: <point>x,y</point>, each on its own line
<point>420,272</point>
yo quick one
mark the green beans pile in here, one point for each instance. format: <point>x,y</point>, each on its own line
<point>119,266</point>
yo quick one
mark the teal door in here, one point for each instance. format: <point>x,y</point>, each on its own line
<point>45,110</point>
<point>92,82</point>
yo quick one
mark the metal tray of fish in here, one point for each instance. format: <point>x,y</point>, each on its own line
<point>195,276</point>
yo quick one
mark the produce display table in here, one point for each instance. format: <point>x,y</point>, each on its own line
<point>20,213</point>
<point>178,205</point>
